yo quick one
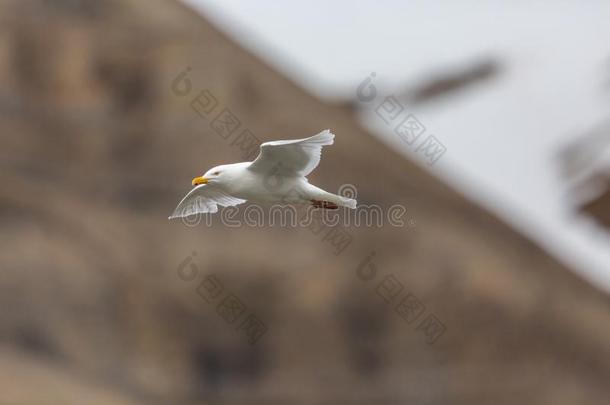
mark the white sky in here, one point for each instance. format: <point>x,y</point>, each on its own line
<point>502,139</point>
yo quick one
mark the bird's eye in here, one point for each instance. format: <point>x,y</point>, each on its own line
<point>216,173</point>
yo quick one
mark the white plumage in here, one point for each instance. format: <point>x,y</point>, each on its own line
<point>277,176</point>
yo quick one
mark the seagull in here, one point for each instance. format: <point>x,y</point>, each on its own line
<point>276,176</point>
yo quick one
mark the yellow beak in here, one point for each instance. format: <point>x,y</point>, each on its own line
<point>199,180</point>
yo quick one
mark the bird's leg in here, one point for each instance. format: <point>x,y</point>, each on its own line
<point>324,204</point>
<point>329,205</point>
<point>316,203</point>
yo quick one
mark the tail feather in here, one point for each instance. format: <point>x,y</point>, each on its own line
<point>317,193</point>
<point>348,202</point>
<point>341,201</point>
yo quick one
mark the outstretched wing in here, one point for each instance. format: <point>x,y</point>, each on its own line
<point>293,157</point>
<point>203,199</point>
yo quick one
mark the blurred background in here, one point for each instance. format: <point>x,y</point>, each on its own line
<point>488,122</point>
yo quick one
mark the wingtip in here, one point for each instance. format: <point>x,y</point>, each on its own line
<point>327,137</point>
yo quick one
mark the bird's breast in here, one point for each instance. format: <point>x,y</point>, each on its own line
<point>265,188</point>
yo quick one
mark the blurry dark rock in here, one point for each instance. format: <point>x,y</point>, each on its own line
<point>453,81</point>
<point>584,163</point>
<point>364,322</point>
<point>598,206</point>
<point>31,339</point>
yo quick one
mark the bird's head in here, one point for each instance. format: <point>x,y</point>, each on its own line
<point>212,176</point>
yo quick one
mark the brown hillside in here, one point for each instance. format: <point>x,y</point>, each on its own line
<point>96,151</point>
